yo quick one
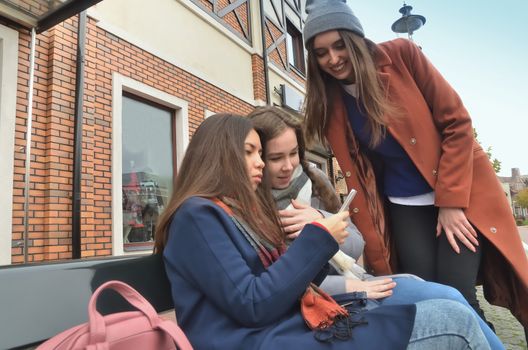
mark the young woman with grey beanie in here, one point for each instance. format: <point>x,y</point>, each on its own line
<point>428,200</point>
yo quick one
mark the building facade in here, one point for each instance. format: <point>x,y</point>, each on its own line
<point>152,73</point>
<point>515,183</point>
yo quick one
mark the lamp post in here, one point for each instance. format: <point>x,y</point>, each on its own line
<point>408,23</point>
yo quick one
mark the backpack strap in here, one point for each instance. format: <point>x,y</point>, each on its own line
<point>176,334</point>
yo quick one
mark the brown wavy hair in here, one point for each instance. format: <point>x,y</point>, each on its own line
<point>271,122</point>
<point>371,94</point>
<point>214,166</point>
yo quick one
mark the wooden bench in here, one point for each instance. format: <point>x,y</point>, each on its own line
<point>41,300</point>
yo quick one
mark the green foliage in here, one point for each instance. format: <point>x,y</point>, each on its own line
<point>495,163</point>
<point>522,198</point>
<point>521,222</point>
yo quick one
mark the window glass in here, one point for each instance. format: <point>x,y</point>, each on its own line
<point>317,160</point>
<point>294,47</point>
<point>147,169</point>
<point>289,49</point>
<point>316,164</point>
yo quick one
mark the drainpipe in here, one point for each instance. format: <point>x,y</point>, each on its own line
<point>29,127</point>
<point>264,51</point>
<point>77,155</point>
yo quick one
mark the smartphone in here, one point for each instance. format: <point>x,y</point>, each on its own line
<point>348,200</point>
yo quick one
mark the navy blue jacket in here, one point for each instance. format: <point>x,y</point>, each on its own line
<point>225,298</point>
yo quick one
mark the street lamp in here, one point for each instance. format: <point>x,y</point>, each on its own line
<point>407,23</point>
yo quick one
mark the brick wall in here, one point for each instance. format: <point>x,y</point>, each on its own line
<point>259,83</point>
<point>53,128</point>
<point>236,20</point>
<point>239,24</point>
<point>278,57</point>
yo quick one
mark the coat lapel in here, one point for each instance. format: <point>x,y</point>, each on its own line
<point>360,175</point>
<point>382,60</point>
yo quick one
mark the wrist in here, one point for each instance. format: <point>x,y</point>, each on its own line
<point>318,224</point>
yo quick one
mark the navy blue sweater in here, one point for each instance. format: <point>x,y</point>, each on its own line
<point>400,176</point>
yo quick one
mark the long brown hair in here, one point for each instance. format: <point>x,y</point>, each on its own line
<point>271,122</point>
<point>371,94</point>
<point>214,165</point>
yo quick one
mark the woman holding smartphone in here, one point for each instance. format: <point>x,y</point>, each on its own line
<point>234,284</point>
<point>312,197</point>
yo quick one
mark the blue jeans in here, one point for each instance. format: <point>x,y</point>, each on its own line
<point>409,290</point>
<point>445,324</point>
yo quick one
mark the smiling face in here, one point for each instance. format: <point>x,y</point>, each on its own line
<point>254,163</point>
<point>332,56</point>
<point>282,157</point>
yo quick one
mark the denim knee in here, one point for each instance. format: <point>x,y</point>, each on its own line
<point>448,292</point>
<point>446,324</point>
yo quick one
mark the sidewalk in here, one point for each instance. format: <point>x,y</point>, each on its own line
<point>523,231</point>
<point>508,328</point>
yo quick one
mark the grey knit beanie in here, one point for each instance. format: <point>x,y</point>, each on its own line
<point>325,15</point>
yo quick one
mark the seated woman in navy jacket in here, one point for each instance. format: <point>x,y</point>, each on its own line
<point>236,287</point>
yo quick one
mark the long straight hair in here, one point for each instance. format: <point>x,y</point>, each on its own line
<point>371,99</point>
<point>271,122</point>
<point>214,166</point>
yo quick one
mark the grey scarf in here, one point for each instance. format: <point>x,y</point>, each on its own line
<point>283,197</point>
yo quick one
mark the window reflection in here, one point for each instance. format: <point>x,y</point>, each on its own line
<point>147,169</point>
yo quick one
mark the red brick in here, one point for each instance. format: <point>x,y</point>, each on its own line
<point>52,153</point>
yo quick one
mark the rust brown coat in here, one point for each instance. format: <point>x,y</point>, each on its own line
<point>436,132</point>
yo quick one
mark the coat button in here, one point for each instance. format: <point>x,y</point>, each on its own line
<point>355,210</point>
<point>348,174</point>
<point>412,141</point>
<point>493,229</point>
<point>435,172</point>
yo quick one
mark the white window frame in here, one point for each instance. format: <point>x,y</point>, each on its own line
<point>122,84</point>
<point>8,92</point>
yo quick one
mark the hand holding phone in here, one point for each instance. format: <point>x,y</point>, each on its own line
<point>344,264</point>
<point>348,200</point>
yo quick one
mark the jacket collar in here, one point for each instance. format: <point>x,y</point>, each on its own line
<point>381,57</point>
<point>381,60</point>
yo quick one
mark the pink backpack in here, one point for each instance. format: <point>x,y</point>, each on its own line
<point>142,329</point>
